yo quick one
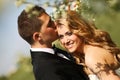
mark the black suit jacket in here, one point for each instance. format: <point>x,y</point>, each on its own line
<point>47,66</point>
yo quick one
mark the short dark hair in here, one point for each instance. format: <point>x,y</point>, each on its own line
<point>28,25</point>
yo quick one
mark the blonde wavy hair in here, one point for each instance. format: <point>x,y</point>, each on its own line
<point>89,33</point>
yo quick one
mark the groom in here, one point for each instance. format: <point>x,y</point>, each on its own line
<point>40,31</point>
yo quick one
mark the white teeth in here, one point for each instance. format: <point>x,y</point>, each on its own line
<point>69,46</point>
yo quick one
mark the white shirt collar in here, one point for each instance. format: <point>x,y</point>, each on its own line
<point>48,50</point>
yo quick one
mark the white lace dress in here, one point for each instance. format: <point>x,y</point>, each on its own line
<point>93,77</point>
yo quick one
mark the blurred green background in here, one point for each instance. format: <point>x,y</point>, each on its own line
<point>106,14</point>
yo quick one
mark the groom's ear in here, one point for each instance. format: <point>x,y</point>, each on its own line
<point>36,36</point>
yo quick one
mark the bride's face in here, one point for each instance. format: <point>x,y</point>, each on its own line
<point>67,38</point>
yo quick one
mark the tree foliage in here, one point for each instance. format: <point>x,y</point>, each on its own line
<point>104,13</point>
<point>24,70</point>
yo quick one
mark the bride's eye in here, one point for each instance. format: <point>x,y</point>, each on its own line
<point>60,36</point>
<point>69,33</point>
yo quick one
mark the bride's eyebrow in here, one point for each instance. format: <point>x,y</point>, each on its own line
<point>69,33</point>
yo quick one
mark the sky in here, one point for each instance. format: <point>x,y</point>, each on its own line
<point>11,44</point>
